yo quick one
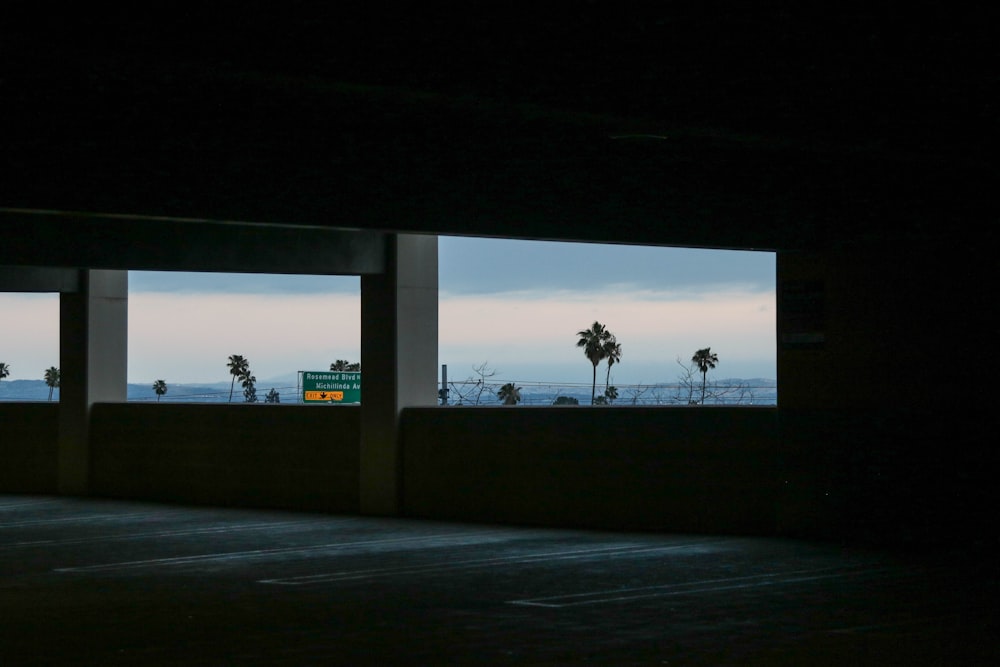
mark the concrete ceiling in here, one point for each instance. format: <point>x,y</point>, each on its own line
<point>772,129</point>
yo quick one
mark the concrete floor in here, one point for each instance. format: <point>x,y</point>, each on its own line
<point>100,582</point>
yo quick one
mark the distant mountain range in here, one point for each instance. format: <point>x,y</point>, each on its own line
<point>37,390</point>
<point>735,391</point>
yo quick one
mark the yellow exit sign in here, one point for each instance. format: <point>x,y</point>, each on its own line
<point>323,395</point>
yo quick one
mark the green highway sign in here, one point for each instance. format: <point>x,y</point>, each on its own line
<point>331,387</point>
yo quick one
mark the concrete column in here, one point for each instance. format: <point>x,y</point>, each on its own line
<point>399,360</point>
<point>93,364</point>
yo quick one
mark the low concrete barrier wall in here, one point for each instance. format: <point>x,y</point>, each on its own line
<point>29,441</point>
<point>686,469</point>
<point>298,457</point>
<point>704,469</point>
<point>873,476</point>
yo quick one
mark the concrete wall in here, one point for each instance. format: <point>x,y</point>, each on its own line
<point>876,476</point>
<point>685,469</point>
<point>698,469</point>
<point>688,469</point>
<point>892,407</point>
<point>29,434</point>
<point>873,475</point>
<point>889,475</point>
<point>279,456</point>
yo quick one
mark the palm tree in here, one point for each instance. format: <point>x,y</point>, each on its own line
<point>345,365</point>
<point>4,370</point>
<point>160,387</point>
<point>238,366</point>
<point>249,382</point>
<point>52,379</point>
<point>705,359</point>
<point>509,394</point>
<point>249,388</point>
<point>592,341</point>
<point>613,353</point>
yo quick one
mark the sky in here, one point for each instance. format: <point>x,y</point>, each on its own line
<point>513,305</point>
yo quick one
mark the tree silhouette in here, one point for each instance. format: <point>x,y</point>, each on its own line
<point>481,384</point>
<point>238,366</point>
<point>52,379</point>
<point>471,389</point>
<point>613,353</point>
<point>509,394</point>
<point>160,387</point>
<point>272,396</point>
<point>249,381</point>
<point>705,359</point>
<point>565,400</point>
<point>592,341</point>
<point>345,365</point>
<point>4,370</point>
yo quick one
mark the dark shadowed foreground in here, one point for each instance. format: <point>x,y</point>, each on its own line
<point>97,582</point>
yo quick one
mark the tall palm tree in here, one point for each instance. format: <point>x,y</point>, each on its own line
<point>613,353</point>
<point>4,370</point>
<point>705,359</point>
<point>592,341</point>
<point>238,366</point>
<point>52,379</point>
<point>509,394</point>
<point>160,387</point>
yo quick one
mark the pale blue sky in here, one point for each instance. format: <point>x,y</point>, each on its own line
<point>516,305</point>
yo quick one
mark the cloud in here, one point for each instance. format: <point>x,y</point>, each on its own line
<point>29,339</point>
<point>239,283</point>
<point>655,328</point>
<point>189,337</point>
<point>488,266</point>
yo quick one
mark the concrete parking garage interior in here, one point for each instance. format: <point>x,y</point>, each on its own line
<point>851,146</point>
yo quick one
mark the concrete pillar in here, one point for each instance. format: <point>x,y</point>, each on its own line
<point>399,327</point>
<point>93,364</point>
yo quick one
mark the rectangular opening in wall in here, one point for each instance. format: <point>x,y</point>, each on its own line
<point>512,313</point>
<point>186,328</point>
<point>29,347</point>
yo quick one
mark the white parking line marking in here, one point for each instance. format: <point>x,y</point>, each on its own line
<point>454,566</point>
<point>83,518</point>
<point>178,532</point>
<point>690,587</point>
<point>19,504</point>
<point>264,553</point>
